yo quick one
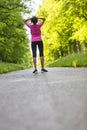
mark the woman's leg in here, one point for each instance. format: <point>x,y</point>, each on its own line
<point>34,48</point>
<point>35,62</point>
<point>42,62</point>
<point>40,47</point>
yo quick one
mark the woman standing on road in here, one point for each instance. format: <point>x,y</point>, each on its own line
<point>36,40</point>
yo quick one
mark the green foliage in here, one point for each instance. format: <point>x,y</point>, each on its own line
<point>65,29</point>
<point>8,67</point>
<point>73,60</point>
<point>14,45</point>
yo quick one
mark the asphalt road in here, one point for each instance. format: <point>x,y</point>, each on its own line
<point>56,100</point>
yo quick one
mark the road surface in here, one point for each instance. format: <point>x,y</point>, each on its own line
<point>56,100</point>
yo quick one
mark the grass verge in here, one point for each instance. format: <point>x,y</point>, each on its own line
<point>8,67</point>
<point>73,60</point>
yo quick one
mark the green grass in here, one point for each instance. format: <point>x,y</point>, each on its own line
<point>73,60</point>
<point>8,67</point>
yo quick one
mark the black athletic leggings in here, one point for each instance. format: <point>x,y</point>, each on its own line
<point>34,48</point>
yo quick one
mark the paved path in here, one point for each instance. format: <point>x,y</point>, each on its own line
<point>56,100</point>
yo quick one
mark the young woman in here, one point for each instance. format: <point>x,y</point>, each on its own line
<point>36,40</point>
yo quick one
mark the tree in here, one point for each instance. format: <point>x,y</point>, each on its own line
<point>65,29</point>
<point>14,45</point>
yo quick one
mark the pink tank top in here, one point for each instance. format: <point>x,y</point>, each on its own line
<point>35,31</point>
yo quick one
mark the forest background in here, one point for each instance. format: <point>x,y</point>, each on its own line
<point>65,29</point>
<point>64,32</point>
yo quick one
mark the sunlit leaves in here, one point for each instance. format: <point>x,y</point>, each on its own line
<point>65,26</point>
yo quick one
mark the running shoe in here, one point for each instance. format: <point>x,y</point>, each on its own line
<point>35,71</point>
<point>44,70</point>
